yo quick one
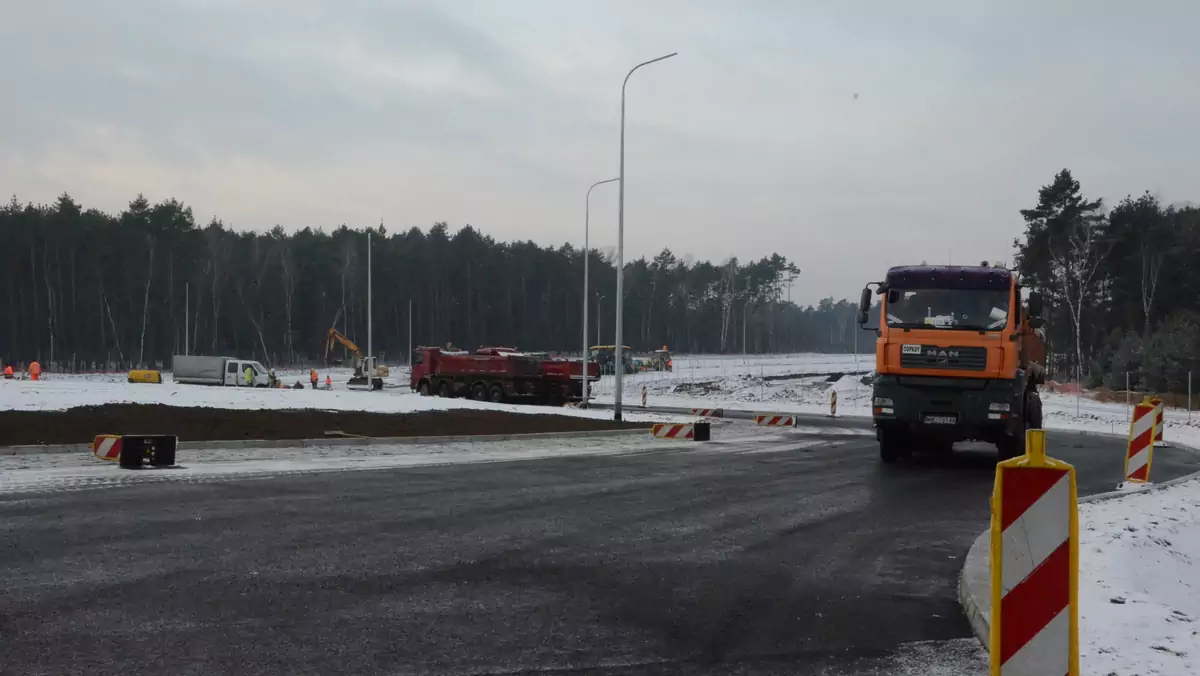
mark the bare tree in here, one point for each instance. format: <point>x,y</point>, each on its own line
<point>1074,265</point>
<point>146,300</point>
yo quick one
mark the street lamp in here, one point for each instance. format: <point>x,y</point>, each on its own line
<point>599,304</point>
<point>618,365</point>
<point>587,213</point>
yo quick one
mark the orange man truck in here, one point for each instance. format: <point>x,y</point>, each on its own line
<point>958,357</point>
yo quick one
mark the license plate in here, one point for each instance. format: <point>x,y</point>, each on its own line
<point>940,419</point>
<point>910,349</point>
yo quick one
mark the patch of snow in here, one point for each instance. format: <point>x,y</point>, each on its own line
<point>66,391</point>
<point>1139,585</point>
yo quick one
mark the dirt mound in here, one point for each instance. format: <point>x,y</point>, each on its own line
<point>80,425</point>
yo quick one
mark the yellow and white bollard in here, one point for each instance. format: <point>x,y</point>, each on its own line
<point>1034,565</point>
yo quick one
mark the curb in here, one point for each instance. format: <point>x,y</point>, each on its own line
<point>234,444</point>
<point>974,582</point>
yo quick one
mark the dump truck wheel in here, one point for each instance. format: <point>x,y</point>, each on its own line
<point>444,389</point>
<point>496,394</point>
<point>479,392</point>
<point>423,388</point>
<point>891,445</point>
<point>1033,410</point>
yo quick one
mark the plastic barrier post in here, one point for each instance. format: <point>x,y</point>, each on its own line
<point>152,450</point>
<point>1139,454</point>
<point>1034,565</point>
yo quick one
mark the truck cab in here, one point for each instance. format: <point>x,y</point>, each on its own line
<point>957,357</point>
<point>235,373</point>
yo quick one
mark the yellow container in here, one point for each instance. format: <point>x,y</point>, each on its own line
<point>144,376</point>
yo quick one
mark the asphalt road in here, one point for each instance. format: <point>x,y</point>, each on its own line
<point>792,554</point>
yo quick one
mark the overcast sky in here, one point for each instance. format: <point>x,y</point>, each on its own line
<point>500,113</point>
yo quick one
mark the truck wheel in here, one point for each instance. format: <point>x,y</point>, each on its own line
<point>1011,447</point>
<point>479,392</point>
<point>444,389</point>
<point>496,394</point>
<point>892,445</point>
<point>1033,410</point>
<point>423,388</point>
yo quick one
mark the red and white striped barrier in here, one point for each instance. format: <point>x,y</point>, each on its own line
<point>673,431</point>
<point>833,404</point>
<point>1140,453</point>
<point>775,420</point>
<point>1158,422</point>
<point>1035,565</point>
<point>107,447</point>
<point>643,396</point>
<point>705,412</point>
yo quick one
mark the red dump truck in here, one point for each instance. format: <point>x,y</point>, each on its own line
<point>499,374</point>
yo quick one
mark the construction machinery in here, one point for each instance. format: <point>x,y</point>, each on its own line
<point>499,374</point>
<point>367,373</point>
<point>958,357</point>
<point>606,356</point>
<point>659,361</point>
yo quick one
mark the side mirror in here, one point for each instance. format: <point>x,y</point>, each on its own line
<point>1036,304</point>
<point>864,306</point>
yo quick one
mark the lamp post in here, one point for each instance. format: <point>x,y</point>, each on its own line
<point>599,304</point>
<point>618,365</point>
<point>587,214</point>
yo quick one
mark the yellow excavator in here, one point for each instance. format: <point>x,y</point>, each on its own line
<point>366,372</point>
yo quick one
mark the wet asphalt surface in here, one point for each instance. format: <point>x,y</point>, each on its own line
<point>790,554</point>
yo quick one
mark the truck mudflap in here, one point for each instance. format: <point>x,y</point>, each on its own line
<point>956,410</point>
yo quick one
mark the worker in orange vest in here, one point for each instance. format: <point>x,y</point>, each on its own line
<point>328,382</point>
<point>8,372</point>
<point>35,370</point>
<point>312,376</point>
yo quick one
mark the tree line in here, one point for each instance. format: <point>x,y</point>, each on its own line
<point>85,289</point>
<point>1122,297</point>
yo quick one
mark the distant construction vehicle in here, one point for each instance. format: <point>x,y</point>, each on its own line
<point>226,371</point>
<point>499,374</point>
<point>367,374</point>
<point>957,358</point>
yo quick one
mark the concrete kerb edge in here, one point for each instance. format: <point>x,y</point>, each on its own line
<point>974,581</point>
<point>234,444</point>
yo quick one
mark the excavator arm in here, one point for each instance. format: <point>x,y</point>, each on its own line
<point>336,337</point>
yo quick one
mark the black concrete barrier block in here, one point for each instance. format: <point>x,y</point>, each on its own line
<point>701,431</point>
<point>147,450</point>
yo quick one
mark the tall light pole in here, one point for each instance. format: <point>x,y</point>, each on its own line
<point>599,303</point>
<point>587,215</point>
<point>370,355</point>
<point>618,365</point>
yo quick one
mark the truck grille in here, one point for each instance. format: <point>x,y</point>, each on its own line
<point>947,358</point>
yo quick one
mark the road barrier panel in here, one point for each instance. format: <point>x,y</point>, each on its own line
<point>1139,454</point>
<point>774,420</point>
<point>707,412</point>
<point>1034,565</point>
<point>107,447</point>
<point>1159,422</point>
<point>698,431</point>
<point>148,450</point>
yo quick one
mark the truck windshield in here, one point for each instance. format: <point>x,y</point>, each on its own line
<point>968,309</point>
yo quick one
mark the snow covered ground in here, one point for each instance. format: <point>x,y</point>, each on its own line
<point>1139,586</point>
<point>59,392</point>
